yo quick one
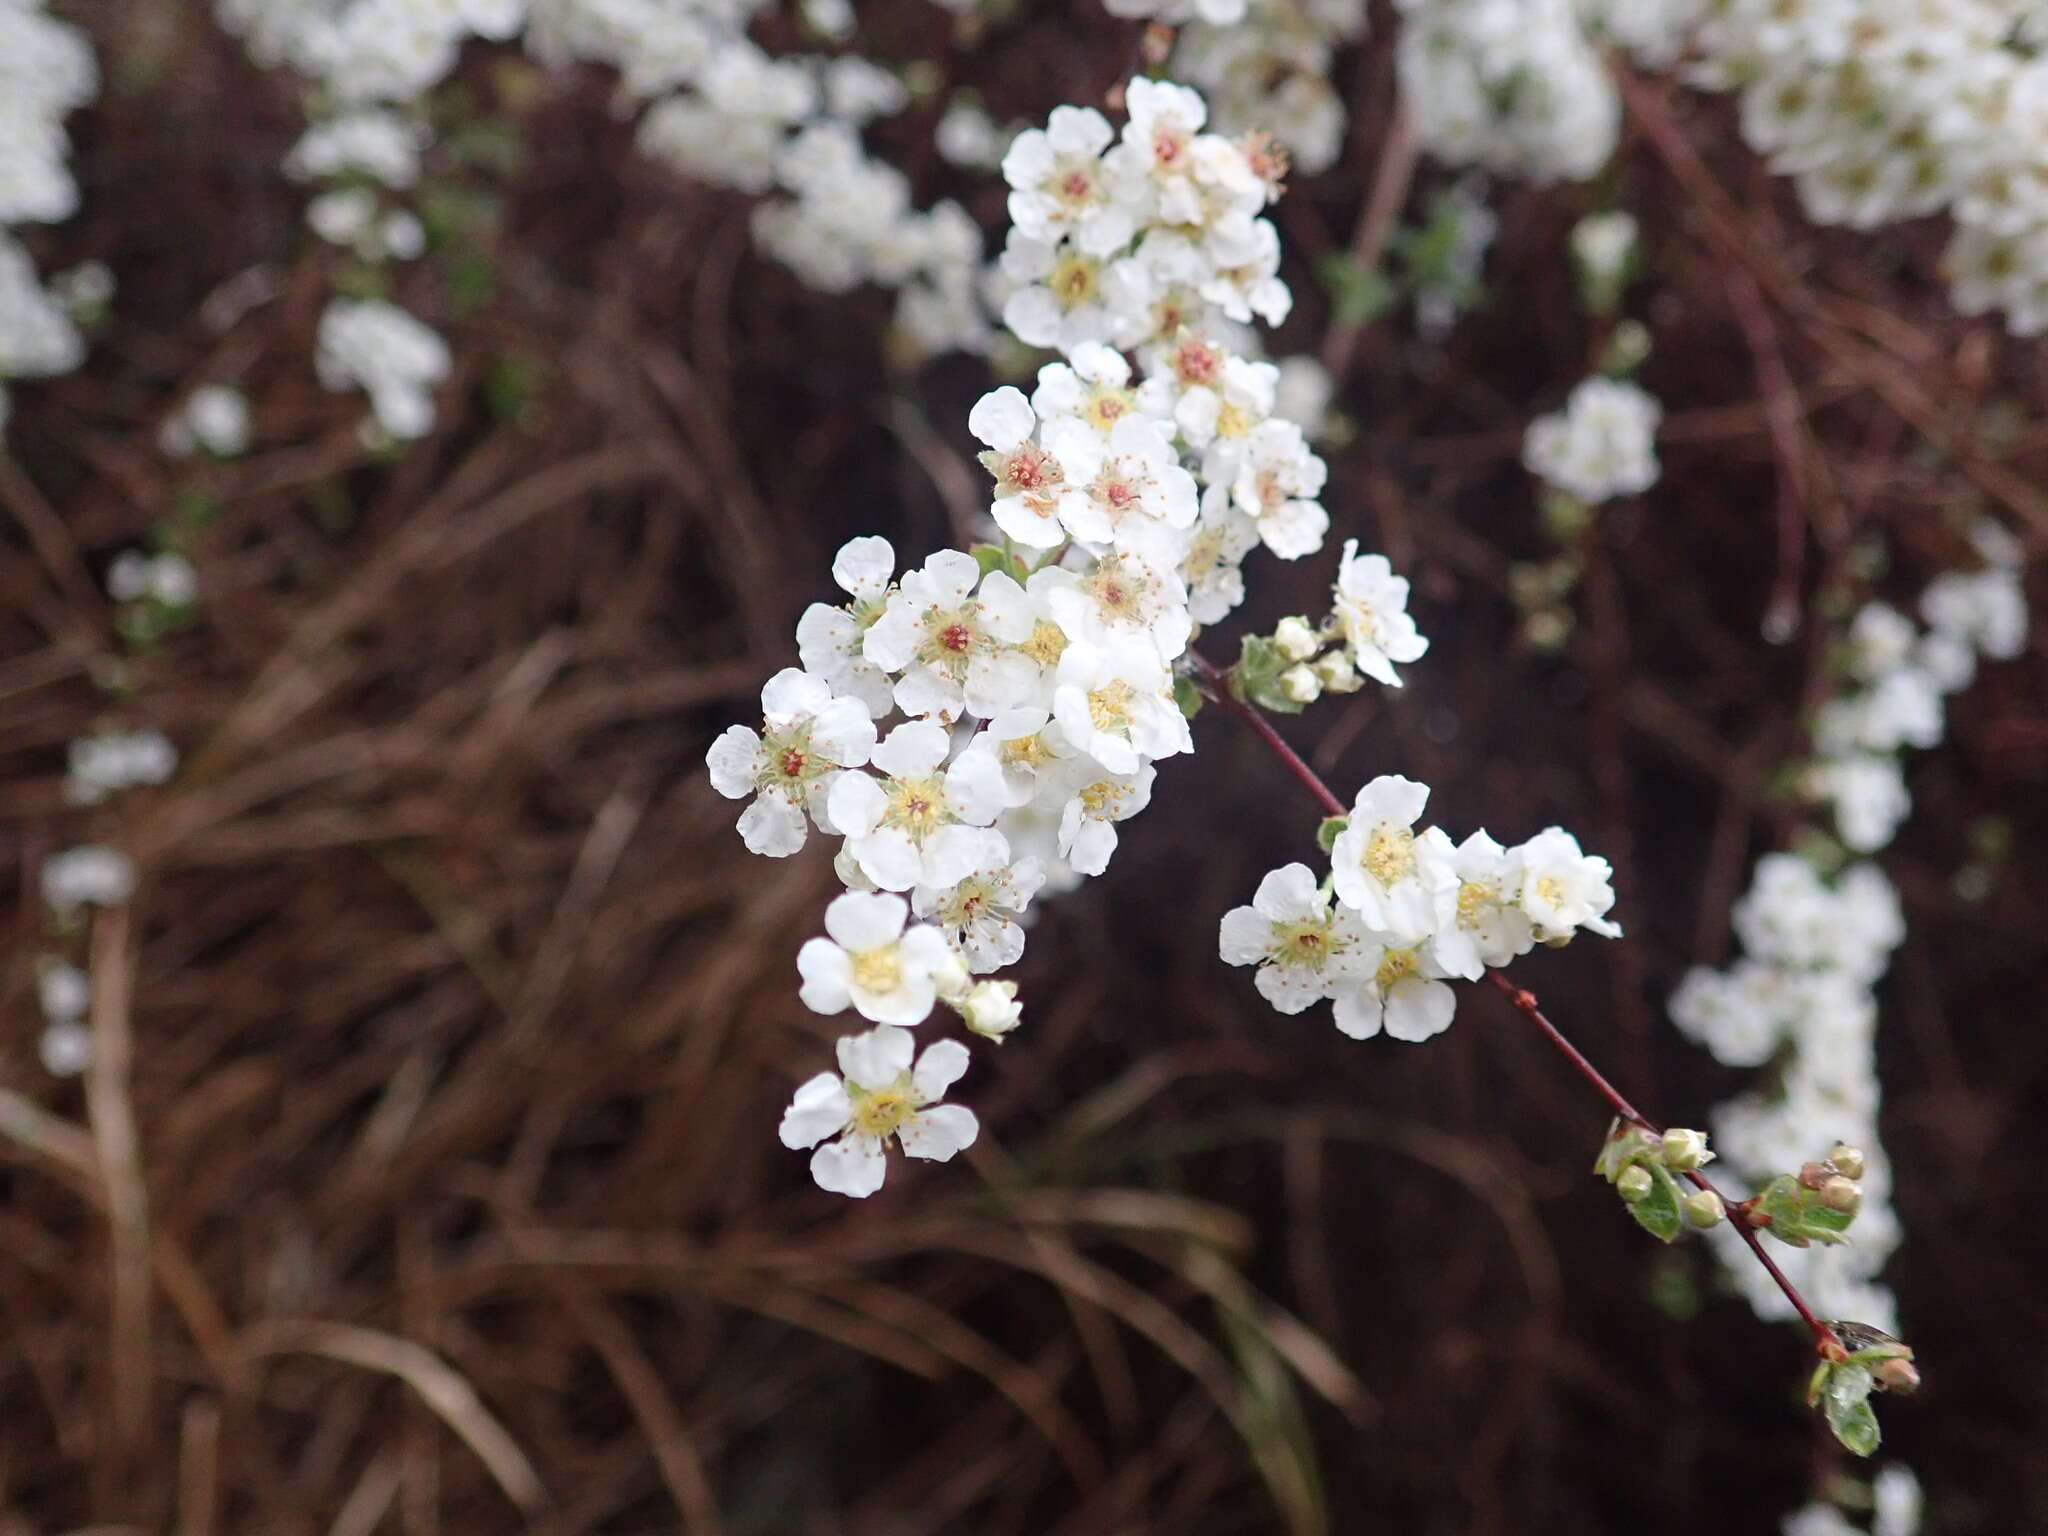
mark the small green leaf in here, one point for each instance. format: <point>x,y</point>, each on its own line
<point>1660,1212</point>
<point>1256,676</point>
<point>1187,696</point>
<point>1625,1144</point>
<point>1846,1398</point>
<point>993,557</point>
<point>1797,1216</point>
<point>1358,293</point>
<point>1331,829</point>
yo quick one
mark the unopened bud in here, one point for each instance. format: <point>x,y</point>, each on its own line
<point>1813,1175</point>
<point>1848,1160</point>
<point>1703,1208</point>
<point>1297,642</point>
<point>1300,684</point>
<point>991,1009</point>
<point>1336,673</point>
<point>1685,1150</point>
<point>1898,1375</point>
<point>1840,1194</point>
<point>1634,1184</point>
<point>950,978</point>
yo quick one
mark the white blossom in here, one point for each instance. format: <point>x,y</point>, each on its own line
<point>876,1096</point>
<point>808,736</point>
<point>872,963</point>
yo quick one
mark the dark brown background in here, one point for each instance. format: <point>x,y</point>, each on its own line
<point>462,1019</point>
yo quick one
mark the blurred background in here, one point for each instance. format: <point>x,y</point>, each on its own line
<point>442,1192</point>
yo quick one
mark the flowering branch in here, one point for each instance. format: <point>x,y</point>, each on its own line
<point>1217,685</point>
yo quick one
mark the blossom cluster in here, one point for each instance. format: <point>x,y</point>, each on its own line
<point>724,111</point>
<point>1803,995</point>
<point>1404,911</point>
<point>46,72</point>
<point>1601,445</point>
<point>974,728</point>
<point>1270,67</point>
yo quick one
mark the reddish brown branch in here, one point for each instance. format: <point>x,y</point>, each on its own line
<point>1217,684</point>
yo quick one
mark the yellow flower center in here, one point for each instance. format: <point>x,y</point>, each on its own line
<point>1074,279</point>
<point>1047,641</point>
<point>881,1112</point>
<point>1101,798</point>
<point>877,970</point>
<point>1106,407</point>
<point>1232,420</point>
<point>1109,707</point>
<point>1389,853</point>
<point>1473,897</point>
<point>1396,965</point>
<point>1026,751</point>
<point>918,806</point>
<point>1304,944</point>
<point>1550,890</point>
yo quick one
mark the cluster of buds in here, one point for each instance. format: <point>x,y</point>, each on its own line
<point>1644,1169</point>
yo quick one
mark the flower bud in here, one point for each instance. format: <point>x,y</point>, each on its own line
<point>1704,1208</point>
<point>1335,672</point>
<point>991,1009</point>
<point>1898,1375</point>
<point>950,978</point>
<point>1296,641</point>
<point>1848,1160</point>
<point>1840,1194</point>
<point>1813,1175</point>
<point>1634,1184</point>
<point>1300,684</point>
<point>1685,1150</point>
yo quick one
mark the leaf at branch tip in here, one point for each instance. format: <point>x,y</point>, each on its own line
<point>1256,677</point>
<point>1796,1215</point>
<point>1846,1398</point>
<point>1660,1212</point>
<point>1187,696</point>
<point>993,557</point>
<point>1331,829</point>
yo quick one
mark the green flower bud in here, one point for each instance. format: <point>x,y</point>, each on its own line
<point>1300,684</point>
<point>1685,1150</point>
<point>1840,1194</point>
<point>1634,1184</point>
<point>1704,1208</point>
<point>1898,1375</point>
<point>1297,642</point>
<point>1848,1160</point>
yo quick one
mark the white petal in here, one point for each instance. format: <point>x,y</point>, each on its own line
<point>734,761</point>
<point>793,692</point>
<point>1289,988</point>
<point>864,565</point>
<point>1245,937</point>
<point>1357,1011</point>
<point>854,804</point>
<point>889,858</point>
<point>1289,895</point>
<point>819,1109</point>
<point>843,733</point>
<point>772,827</point>
<point>860,921</point>
<point>943,1064</point>
<point>939,1132</point>
<point>852,1165</point>
<point>876,1059</point>
<point>1417,1009</point>
<point>913,750</point>
<point>1002,418</point>
<point>826,970</point>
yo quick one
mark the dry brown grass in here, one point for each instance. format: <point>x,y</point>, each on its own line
<point>426,1178</point>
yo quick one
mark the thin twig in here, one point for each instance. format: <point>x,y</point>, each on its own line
<point>1217,685</point>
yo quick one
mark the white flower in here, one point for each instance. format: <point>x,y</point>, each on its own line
<point>1129,490</point>
<point>1488,925</point>
<point>65,1048</point>
<point>215,417</point>
<point>111,761</point>
<point>1126,594</point>
<point>1087,830</point>
<point>167,578</point>
<point>919,826</point>
<point>981,912</point>
<point>1372,612</point>
<point>1563,889</point>
<point>393,357</point>
<point>63,991</point>
<point>1093,387</point>
<point>1212,568</point>
<point>880,1095</point>
<point>828,639</point>
<point>1061,186</point>
<point>1277,482</point>
<point>1402,990</point>
<point>1065,297</point>
<point>872,963</point>
<point>1303,949</point>
<point>1601,445</point>
<point>1029,480</point>
<point>1024,743</point>
<point>951,644</point>
<point>807,738</point>
<point>1400,884</point>
<point>1896,1494</point>
<point>1868,793</point>
<point>1988,608</point>
<point>89,876</point>
<point>1115,703</point>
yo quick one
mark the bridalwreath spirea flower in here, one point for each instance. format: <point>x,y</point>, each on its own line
<point>975,728</point>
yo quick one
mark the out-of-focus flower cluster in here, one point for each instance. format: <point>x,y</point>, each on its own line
<point>46,72</point>
<point>1814,948</point>
<point>1601,445</point>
